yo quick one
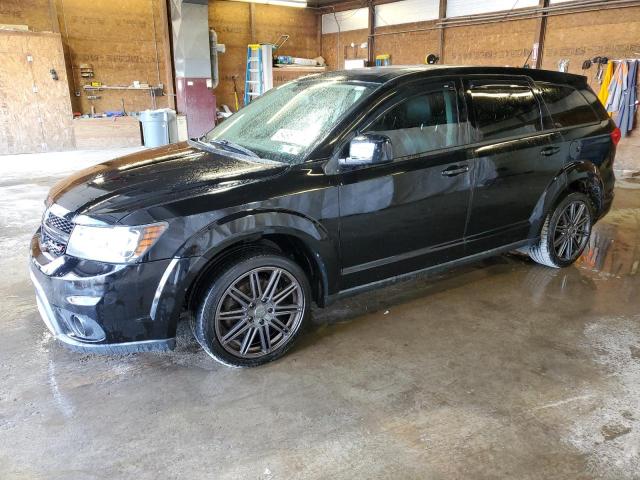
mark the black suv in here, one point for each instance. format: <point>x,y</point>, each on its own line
<point>320,188</point>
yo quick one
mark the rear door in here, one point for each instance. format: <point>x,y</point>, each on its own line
<point>516,159</point>
<point>576,113</point>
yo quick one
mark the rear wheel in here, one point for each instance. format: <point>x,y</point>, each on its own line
<point>565,232</point>
<point>254,310</point>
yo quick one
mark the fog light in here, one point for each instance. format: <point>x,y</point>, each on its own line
<point>86,329</point>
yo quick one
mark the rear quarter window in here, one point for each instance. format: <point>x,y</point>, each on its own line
<point>596,105</point>
<point>567,106</point>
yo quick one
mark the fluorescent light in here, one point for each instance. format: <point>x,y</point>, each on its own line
<point>282,3</point>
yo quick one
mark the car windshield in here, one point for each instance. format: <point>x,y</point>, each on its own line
<point>286,123</point>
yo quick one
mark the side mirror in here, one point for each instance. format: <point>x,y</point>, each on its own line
<point>368,149</point>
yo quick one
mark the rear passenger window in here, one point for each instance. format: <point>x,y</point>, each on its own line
<point>504,110</point>
<point>421,123</point>
<point>567,106</point>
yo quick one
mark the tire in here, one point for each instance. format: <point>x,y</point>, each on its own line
<point>254,311</point>
<point>557,249</point>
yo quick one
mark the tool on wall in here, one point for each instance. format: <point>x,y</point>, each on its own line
<point>526,61</point>
<point>563,65</point>
<point>281,41</point>
<point>601,62</point>
<point>235,92</point>
<point>432,59</point>
<point>86,70</point>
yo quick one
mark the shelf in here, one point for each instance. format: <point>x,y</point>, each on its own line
<point>89,88</point>
<point>299,68</point>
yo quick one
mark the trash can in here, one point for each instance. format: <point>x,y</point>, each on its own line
<point>158,127</point>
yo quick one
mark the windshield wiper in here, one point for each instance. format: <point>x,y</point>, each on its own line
<point>234,147</point>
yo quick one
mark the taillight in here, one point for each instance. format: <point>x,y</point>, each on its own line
<point>615,136</point>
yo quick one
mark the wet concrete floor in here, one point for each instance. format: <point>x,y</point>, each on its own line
<point>501,369</point>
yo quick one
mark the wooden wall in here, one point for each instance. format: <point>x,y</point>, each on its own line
<point>232,22</point>
<point>37,14</point>
<point>122,39</point>
<point>611,33</point>
<point>35,112</point>
<point>496,44</point>
<point>408,48</point>
<point>335,47</point>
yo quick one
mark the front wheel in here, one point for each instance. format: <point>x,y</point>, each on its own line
<point>254,310</point>
<point>565,232</point>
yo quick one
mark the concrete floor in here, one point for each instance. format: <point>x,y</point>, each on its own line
<point>500,369</point>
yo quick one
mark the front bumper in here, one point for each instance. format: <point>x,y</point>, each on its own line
<point>103,308</point>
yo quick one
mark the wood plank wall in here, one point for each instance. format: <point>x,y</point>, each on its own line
<point>34,13</point>
<point>576,36</point>
<point>35,112</point>
<point>611,33</point>
<point>121,39</point>
<point>496,44</point>
<point>408,48</point>
<point>335,47</point>
<point>232,22</point>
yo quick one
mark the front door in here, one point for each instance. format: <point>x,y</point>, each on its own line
<point>408,214</point>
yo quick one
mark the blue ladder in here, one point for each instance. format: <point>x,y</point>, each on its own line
<point>254,81</point>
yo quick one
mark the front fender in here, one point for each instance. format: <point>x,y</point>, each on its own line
<point>246,225</point>
<point>196,254</point>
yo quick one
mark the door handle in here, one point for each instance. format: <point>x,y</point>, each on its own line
<point>547,152</point>
<point>455,170</point>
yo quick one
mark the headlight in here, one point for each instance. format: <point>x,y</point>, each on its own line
<point>117,244</point>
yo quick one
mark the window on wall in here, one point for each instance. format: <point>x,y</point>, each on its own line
<point>345,21</point>
<point>421,123</point>
<point>457,8</point>
<point>504,110</point>
<point>406,11</point>
<point>566,105</point>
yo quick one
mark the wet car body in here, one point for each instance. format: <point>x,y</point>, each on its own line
<point>352,228</point>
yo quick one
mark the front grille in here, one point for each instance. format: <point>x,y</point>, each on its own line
<point>55,232</point>
<point>51,245</point>
<point>58,223</point>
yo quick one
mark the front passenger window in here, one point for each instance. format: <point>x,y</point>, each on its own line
<point>422,123</point>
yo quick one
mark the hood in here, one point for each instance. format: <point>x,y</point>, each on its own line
<point>113,189</point>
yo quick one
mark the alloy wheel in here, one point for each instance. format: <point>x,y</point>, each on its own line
<point>259,312</point>
<point>572,230</point>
